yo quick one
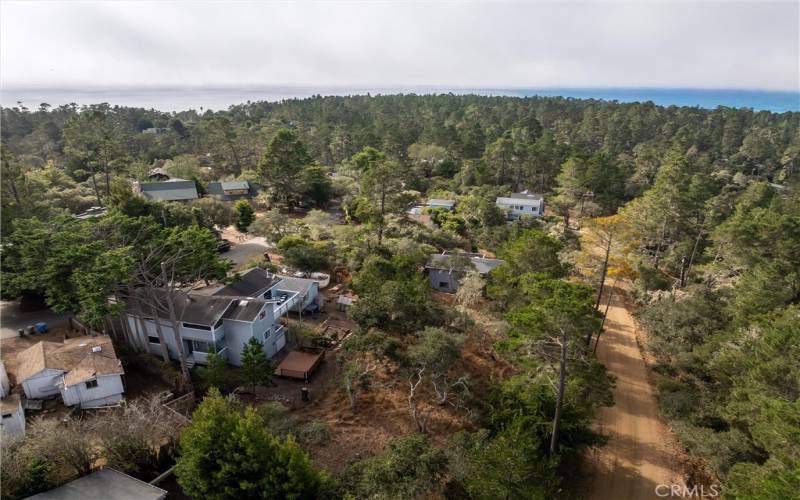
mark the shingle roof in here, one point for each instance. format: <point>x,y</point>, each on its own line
<point>252,283</point>
<point>292,284</point>
<point>171,190</point>
<point>82,358</point>
<point>107,484</point>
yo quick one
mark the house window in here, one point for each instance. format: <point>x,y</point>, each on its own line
<point>197,327</point>
<point>91,384</point>
<point>262,314</point>
<point>200,346</point>
<point>443,284</point>
<point>154,340</point>
<point>7,415</point>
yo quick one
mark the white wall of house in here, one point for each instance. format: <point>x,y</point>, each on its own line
<point>109,390</point>
<point>42,385</point>
<point>237,334</point>
<point>518,209</point>
<point>13,423</point>
<point>5,385</point>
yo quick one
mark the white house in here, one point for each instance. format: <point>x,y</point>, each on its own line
<point>521,204</point>
<point>220,323</point>
<point>84,370</point>
<point>13,417</point>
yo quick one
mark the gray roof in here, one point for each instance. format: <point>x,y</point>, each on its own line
<point>440,201</point>
<point>523,196</point>
<point>482,264</point>
<point>171,190</point>
<point>220,188</point>
<point>254,282</point>
<point>292,284</point>
<point>105,484</point>
<point>189,308</point>
<point>204,309</point>
<point>245,310</point>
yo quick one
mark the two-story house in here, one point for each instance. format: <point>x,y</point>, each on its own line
<point>521,204</point>
<point>222,322</point>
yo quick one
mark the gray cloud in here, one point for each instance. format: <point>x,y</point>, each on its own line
<point>402,43</point>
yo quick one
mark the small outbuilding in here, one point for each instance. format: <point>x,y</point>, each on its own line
<point>105,484</point>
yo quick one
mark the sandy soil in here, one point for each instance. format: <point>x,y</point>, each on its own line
<point>642,451</point>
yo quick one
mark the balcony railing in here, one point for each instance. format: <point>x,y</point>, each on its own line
<point>201,358</point>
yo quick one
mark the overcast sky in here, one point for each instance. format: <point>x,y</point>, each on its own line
<point>483,44</point>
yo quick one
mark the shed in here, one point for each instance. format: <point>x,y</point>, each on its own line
<point>344,302</point>
<point>105,484</point>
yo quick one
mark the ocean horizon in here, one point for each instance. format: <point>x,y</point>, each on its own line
<point>221,98</point>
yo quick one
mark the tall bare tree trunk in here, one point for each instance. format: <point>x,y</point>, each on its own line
<point>176,328</point>
<point>157,322</point>
<point>603,273</point>
<point>562,379</point>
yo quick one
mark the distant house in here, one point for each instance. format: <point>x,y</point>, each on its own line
<point>522,204</point>
<point>85,370</point>
<point>440,203</point>
<point>13,417</point>
<point>233,190</point>
<point>107,484</point>
<point>445,270</point>
<point>171,190</point>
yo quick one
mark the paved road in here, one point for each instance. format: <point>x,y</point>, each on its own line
<point>12,319</point>
<point>640,452</point>
<point>241,253</point>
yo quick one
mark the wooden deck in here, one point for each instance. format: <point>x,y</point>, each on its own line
<point>300,364</point>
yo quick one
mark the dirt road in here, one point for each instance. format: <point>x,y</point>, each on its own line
<point>640,452</point>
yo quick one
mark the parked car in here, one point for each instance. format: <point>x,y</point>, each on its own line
<point>223,245</point>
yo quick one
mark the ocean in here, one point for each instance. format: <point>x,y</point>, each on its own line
<point>203,98</point>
